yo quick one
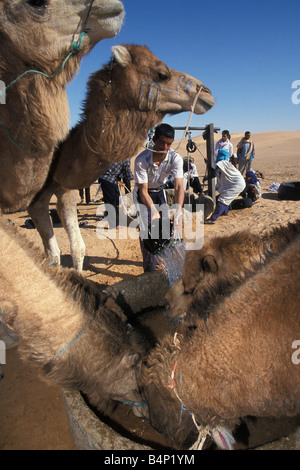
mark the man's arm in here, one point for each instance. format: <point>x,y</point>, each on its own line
<point>179,200</point>
<point>147,201</point>
<point>179,191</point>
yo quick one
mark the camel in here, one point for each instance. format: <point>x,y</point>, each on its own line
<point>240,362</point>
<point>74,331</point>
<point>42,44</point>
<point>220,265</point>
<point>124,100</point>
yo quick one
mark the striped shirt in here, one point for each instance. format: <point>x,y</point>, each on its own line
<point>117,171</point>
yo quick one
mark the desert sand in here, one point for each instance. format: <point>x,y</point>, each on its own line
<point>32,412</point>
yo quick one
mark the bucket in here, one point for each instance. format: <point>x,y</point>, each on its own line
<point>159,235</point>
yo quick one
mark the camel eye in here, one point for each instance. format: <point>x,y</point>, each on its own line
<point>39,4</point>
<point>163,76</point>
<point>187,292</point>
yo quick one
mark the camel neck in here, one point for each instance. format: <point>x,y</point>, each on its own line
<point>106,134</point>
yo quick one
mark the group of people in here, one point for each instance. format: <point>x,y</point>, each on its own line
<point>234,174</point>
<point>159,164</point>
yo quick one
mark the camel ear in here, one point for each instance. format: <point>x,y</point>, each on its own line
<point>121,55</point>
<point>209,264</point>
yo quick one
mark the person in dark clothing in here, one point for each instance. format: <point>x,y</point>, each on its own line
<point>110,182</point>
<point>87,195</point>
<point>190,176</point>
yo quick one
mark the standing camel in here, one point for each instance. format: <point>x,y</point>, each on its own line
<point>124,100</point>
<point>41,45</point>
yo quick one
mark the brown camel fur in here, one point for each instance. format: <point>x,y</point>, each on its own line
<point>45,37</point>
<point>216,269</point>
<point>75,332</point>
<point>124,100</point>
<point>238,363</point>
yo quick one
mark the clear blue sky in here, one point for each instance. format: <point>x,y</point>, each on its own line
<point>247,53</point>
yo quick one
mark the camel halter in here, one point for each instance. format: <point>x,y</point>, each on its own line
<point>187,126</point>
<point>73,341</point>
<point>147,147</point>
<point>75,48</point>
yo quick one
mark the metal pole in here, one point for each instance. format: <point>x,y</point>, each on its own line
<point>210,152</point>
<point>208,135</point>
<point>190,128</point>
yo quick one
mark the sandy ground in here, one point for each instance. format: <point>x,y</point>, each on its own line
<point>32,414</point>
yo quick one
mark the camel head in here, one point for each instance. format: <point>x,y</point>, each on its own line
<point>178,300</point>
<point>38,31</point>
<point>157,87</point>
<point>211,271</point>
<point>201,267</point>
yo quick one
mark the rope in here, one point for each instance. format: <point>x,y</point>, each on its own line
<point>191,113</point>
<point>187,126</point>
<point>72,342</point>
<point>203,433</point>
<point>75,48</point>
<point>10,136</point>
<point>87,15</point>
<point>221,436</point>
<point>87,143</point>
<point>130,196</point>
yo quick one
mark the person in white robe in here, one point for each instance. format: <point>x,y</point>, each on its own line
<point>230,184</point>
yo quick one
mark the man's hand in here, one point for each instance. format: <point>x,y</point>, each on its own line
<point>154,213</point>
<point>177,234</point>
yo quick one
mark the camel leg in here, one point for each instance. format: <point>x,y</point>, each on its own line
<point>67,211</point>
<point>39,212</point>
